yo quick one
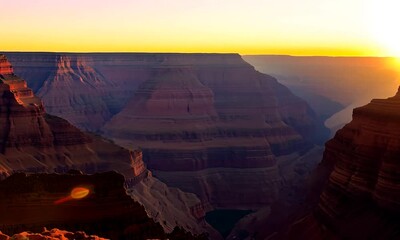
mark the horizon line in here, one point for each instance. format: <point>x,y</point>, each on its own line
<point>216,53</point>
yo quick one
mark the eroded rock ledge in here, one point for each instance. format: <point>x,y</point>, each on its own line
<point>34,201</point>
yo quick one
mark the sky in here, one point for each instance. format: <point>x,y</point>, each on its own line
<point>294,27</point>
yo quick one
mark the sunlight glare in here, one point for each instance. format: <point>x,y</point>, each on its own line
<point>384,19</point>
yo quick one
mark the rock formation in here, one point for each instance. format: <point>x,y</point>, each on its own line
<point>5,66</point>
<point>33,141</point>
<point>53,234</point>
<point>87,90</point>
<point>362,197</point>
<point>215,130</point>
<point>32,202</point>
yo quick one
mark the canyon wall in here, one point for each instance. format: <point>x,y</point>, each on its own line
<point>361,199</point>
<point>32,140</point>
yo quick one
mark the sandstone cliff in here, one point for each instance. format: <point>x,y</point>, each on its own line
<point>31,140</point>
<point>362,197</point>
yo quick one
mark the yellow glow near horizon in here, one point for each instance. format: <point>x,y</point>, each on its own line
<point>308,27</point>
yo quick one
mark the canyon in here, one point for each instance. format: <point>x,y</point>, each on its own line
<point>354,192</point>
<point>220,135</point>
<point>208,124</point>
<point>33,141</point>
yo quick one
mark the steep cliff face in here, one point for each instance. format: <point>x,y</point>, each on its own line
<point>362,197</point>
<point>48,200</point>
<point>5,66</point>
<point>73,89</point>
<point>85,89</point>
<point>211,116</point>
<point>76,79</point>
<point>33,141</point>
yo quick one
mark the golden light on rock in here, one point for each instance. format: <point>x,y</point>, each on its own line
<point>79,193</point>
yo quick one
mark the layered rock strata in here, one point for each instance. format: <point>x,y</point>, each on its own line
<point>31,140</point>
<point>362,197</point>
<point>209,131</point>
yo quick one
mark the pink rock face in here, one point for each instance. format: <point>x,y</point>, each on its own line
<point>84,89</point>
<point>31,140</point>
<point>76,79</point>
<point>172,93</point>
<point>362,197</point>
<point>5,66</point>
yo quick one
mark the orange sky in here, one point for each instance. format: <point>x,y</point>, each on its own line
<point>307,27</point>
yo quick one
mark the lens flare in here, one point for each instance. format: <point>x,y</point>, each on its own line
<point>76,194</point>
<point>79,193</point>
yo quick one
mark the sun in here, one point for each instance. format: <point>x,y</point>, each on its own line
<point>383,18</point>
